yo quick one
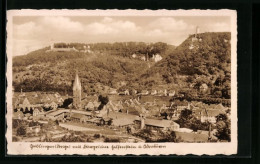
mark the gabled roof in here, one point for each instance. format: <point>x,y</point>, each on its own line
<point>210,113</point>
<point>117,115</point>
<point>77,115</point>
<point>159,123</point>
<point>122,122</point>
<point>90,105</point>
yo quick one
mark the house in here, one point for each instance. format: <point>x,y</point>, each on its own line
<point>105,121</point>
<point>154,92</point>
<point>77,117</point>
<point>165,92</point>
<point>24,103</point>
<point>27,116</point>
<point>163,108</point>
<point>186,130</point>
<point>203,88</point>
<point>56,114</point>
<point>119,106</point>
<point>134,91</point>
<point>181,105</point>
<point>134,55</point>
<point>111,107</point>
<point>37,111</point>
<point>18,115</point>
<point>90,106</point>
<point>122,122</point>
<point>33,129</point>
<point>126,92</point>
<point>96,104</point>
<point>121,119</point>
<point>171,93</point>
<point>144,92</point>
<point>154,124</point>
<point>113,92</point>
<point>161,93</point>
<point>208,115</point>
<point>53,105</point>
<point>94,121</point>
<point>157,57</point>
<point>143,58</point>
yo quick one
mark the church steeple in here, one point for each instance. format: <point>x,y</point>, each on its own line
<point>76,84</point>
<point>77,92</point>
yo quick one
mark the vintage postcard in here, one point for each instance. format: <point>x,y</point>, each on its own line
<point>121,82</point>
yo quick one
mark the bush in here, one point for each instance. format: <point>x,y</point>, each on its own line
<point>33,123</point>
<point>21,131</point>
<point>16,123</point>
<point>97,135</point>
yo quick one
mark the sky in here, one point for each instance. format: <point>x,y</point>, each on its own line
<point>34,32</point>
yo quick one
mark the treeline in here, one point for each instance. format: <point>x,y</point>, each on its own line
<point>41,57</point>
<point>125,49</point>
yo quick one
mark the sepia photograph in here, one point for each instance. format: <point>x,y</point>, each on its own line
<point>121,82</point>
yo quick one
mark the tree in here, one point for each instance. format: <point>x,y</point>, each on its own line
<point>221,117</point>
<point>16,123</point>
<point>33,123</point>
<point>188,120</point>
<point>103,99</point>
<point>170,136</point>
<point>21,131</point>
<point>185,117</point>
<point>223,127</point>
<point>218,94</point>
<point>67,102</point>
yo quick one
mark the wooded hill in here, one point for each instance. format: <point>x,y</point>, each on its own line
<point>201,59</point>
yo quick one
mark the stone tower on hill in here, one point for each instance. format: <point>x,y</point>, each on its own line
<point>77,92</point>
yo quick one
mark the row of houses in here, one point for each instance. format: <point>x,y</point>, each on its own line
<point>29,101</point>
<point>155,57</point>
<point>143,92</point>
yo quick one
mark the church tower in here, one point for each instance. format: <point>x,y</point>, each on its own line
<point>77,92</point>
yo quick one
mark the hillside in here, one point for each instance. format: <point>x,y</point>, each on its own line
<point>201,59</point>
<point>92,69</point>
<point>204,59</point>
